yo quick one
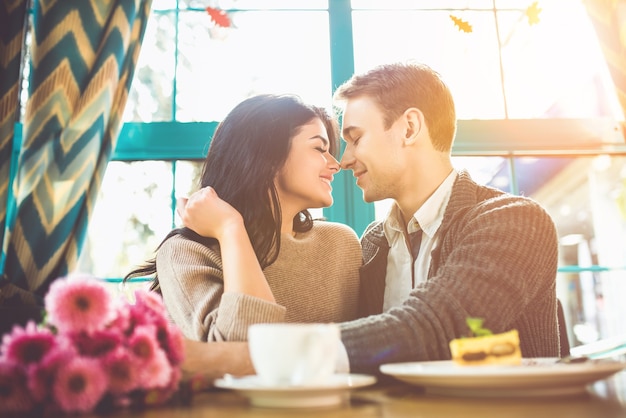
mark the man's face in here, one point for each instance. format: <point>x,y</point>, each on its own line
<point>372,152</point>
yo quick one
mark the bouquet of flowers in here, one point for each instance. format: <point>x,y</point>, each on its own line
<point>92,351</point>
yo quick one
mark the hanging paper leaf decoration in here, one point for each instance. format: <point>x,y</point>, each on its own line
<point>461,24</point>
<point>219,17</point>
<point>532,12</point>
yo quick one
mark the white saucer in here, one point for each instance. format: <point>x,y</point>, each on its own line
<point>330,393</point>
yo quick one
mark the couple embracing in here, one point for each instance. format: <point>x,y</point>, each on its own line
<point>448,249</point>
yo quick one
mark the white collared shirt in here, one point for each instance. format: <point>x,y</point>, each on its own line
<point>399,263</point>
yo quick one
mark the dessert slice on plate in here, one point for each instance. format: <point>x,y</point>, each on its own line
<point>485,347</point>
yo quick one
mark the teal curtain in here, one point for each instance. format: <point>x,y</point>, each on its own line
<point>83,57</point>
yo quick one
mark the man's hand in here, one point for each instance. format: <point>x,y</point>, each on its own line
<point>208,215</point>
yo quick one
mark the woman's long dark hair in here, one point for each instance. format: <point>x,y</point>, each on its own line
<point>248,149</point>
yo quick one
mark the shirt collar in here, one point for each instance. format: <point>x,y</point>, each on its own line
<point>429,216</point>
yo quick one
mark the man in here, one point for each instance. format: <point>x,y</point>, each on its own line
<point>482,253</point>
<point>449,249</point>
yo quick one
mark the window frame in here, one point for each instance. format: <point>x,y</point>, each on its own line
<point>505,138</point>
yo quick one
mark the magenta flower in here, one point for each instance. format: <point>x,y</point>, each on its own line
<point>41,376</point>
<point>97,343</point>
<point>79,385</point>
<point>141,314</point>
<point>143,343</point>
<point>14,395</point>
<point>122,371</point>
<point>77,303</point>
<point>92,349</point>
<point>155,368</point>
<point>27,346</point>
<point>149,309</point>
<point>149,302</point>
<point>160,395</point>
<point>122,323</point>
<point>172,341</point>
<point>156,373</point>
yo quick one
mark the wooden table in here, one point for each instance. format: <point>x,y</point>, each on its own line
<point>604,399</point>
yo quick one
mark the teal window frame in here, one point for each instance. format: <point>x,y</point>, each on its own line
<point>498,138</point>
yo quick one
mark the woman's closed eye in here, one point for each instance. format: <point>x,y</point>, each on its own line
<point>322,150</point>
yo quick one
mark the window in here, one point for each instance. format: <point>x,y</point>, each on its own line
<point>538,116</point>
<point>191,70</point>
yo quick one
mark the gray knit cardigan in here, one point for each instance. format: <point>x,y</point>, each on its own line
<point>496,259</point>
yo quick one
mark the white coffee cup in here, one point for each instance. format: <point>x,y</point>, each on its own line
<point>293,354</point>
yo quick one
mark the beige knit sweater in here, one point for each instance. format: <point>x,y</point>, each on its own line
<point>314,279</point>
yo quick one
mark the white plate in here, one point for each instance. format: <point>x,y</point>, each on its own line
<point>331,393</point>
<point>534,377</point>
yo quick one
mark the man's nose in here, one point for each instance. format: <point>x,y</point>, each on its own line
<point>347,160</point>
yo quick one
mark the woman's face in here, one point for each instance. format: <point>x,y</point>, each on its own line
<point>305,180</point>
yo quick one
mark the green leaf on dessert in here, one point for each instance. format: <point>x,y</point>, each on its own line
<point>476,327</point>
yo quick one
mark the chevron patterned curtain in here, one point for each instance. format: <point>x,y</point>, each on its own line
<point>83,57</point>
<point>12,17</point>
<point>609,20</point>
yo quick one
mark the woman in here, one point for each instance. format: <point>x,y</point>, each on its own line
<point>271,159</point>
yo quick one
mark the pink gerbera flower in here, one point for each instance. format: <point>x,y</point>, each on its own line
<point>98,343</point>
<point>140,314</point>
<point>122,323</point>
<point>143,343</point>
<point>14,395</point>
<point>160,395</point>
<point>172,341</point>
<point>157,372</point>
<point>155,368</point>
<point>27,346</point>
<point>149,300</point>
<point>78,303</point>
<point>41,375</point>
<point>79,385</point>
<point>122,371</point>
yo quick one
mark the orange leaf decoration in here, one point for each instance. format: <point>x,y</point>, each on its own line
<point>461,24</point>
<point>219,17</point>
<point>532,12</point>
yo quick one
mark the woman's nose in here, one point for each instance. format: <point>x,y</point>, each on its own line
<point>334,164</point>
